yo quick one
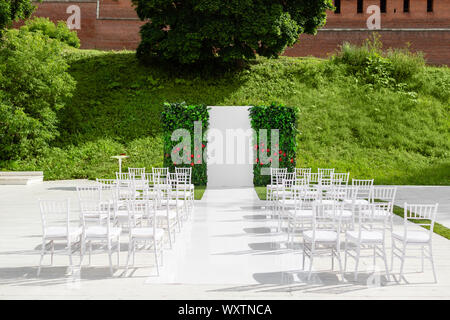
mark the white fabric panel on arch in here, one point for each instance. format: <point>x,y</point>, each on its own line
<point>230,153</point>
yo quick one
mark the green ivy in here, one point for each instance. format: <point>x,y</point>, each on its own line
<point>182,116</point>
<point>278,117</point>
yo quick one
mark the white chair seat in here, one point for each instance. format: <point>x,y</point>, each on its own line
<point>367,236</point>
<point>376,213</point>
<point>289,202</point>
<point>147,233</point>
<point>61,232</point>
<point>173,203</point>
<point>357,201</point>
<point>102,232</point>
<point>162,213</point>
<point>327,202</point>
<point>302,213</point>
<point>321,235</point>
<point>274,186</point>
<point>186,194</point>
<point>342,213</point>
<point>412,236</point>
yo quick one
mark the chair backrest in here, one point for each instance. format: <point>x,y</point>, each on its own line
<point>365,187</point>
<point>151,178</point>
<point>185,174</point>
<point>55,213</point>
<point>327,216</point>
<point>348,192</point>
<point>162,174</point>
<point>144,206</point>
<point>277,175</point>
<point>91,210</point>
<point>342,176</point>
<point>313,177</point>
<point>421,214</point>
<point>89,193</point>
<point>302,172</point>
<point>124,176</point>
<point>137,172</point>
<point>373,217</point>
<point>107,188</point>
<point>384,193</point>
<point>326,172</point>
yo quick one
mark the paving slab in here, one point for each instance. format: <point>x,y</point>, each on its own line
<point>229,249</point>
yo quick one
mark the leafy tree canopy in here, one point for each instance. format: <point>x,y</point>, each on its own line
<point>191,31</point>
<point>13,10</point>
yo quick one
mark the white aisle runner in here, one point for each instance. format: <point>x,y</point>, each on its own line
<point>228,241</point>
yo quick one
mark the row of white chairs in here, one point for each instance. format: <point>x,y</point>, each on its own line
<point>149,208</point>
<point>324,212</point>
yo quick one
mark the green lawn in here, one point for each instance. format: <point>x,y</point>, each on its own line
<point>198,192</point>
<point>393,136</point>
<point>438,228</point>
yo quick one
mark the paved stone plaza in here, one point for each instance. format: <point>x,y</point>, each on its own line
<point>229,249</point>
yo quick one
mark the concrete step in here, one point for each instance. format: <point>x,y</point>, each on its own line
<point>21,177</point>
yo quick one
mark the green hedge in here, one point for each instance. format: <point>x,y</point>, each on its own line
<point>278,117</point>
<point>182,116</point>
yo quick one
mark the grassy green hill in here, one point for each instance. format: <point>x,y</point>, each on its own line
<point>396,135</point>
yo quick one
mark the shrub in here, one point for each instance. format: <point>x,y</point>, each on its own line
<point>182,116</point>
<point>391,68</point>
<point>189,31</point>
<point>58,31</point>
<point>285,120</point>
<point>34,83</point>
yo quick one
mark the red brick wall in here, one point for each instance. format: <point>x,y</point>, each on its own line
<point>118,26</point>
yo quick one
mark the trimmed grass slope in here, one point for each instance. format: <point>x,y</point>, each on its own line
<point>393,136</point>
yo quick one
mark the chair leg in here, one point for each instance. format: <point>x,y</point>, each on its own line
<point>338,255</point>
<point>69,247</point>
<point>156,257</point>
<point>118,252</point>
<point>311,258</point>
<point>130,244</point>
<point>345,256</point>
<point>53,251</point>
<point>402,262</point>
<point>432,263</point>
<point>423,258</point>
<point>110,258</point>
<point>332,259</point>
<point>358,249</point>
<point>42,257</point>
<point>303,256</point>
<point>385,263</point>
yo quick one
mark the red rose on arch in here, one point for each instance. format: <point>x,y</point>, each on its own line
<point>280,159</point>
<point>280,152</point>
<point>192,164</point>
<point>192,155</point>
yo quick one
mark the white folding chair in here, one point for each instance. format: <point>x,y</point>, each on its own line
<point>148,233</point>
<point>100,232</point>
<point>324,235</point>
<point>276,177</point>
<point>369,235</point>
<point>415,214</point>
<point>56,226</point>
<point>299,211</point>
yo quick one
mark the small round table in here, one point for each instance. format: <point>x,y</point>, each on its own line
<point>120,161</point>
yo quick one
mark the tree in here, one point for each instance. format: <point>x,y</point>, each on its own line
<point>192,31</point>
<point>34,85</point>
<point>13,10</point>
